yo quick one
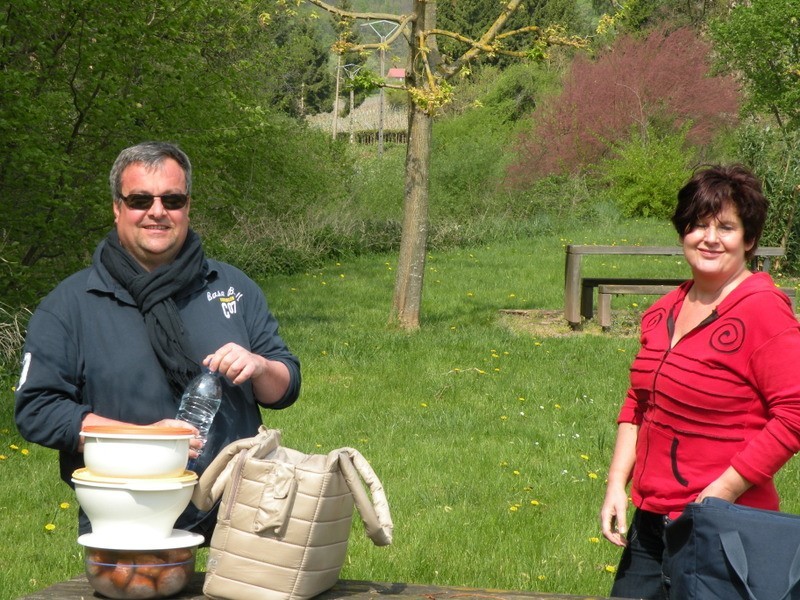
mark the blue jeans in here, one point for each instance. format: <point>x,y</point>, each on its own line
<point>643,570</point>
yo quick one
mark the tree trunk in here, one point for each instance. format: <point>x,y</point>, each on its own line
<point>407,298</point>
<point>414,240</point>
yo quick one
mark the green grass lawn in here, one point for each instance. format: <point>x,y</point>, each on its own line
<point>492,443</point>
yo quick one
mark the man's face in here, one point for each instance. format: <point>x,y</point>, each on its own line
<point>155,235</point>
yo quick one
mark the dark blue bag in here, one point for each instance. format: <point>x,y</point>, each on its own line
<point>723,551</point>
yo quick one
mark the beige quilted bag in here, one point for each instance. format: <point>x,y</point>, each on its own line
<point>285,518</point>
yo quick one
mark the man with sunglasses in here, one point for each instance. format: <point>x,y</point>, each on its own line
<point>116,343</point>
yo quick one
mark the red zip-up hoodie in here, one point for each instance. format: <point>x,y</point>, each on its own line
<point>727,394</point>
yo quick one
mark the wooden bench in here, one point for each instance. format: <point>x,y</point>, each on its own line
<point>79,589</point>
<point>589,283</point>
<point>579,290</point>
<point>606,291</point>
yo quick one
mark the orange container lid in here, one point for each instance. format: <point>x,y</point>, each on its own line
<point>136,430</point>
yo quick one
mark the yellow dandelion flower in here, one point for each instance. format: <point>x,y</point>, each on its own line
<point>13,446</point>
<point>521,399</point>
<point>516,472</point>
<point>495,355</point>
<point>594,540</point>
<point>497,369</point>
<point>480,372</point>
<point>635,304</point>
<point>319,445</point>
<point>453,327</point>
<point>610,569</point>
<point>513,508</point>
<point>585,456</point>
<point>341,275</point>
<point>556,406</point>
<point>503,463</point>
<point>3,457</point>
<point>64,505</point>
<point>423,404</point>
<point>534,503</point>
<point>24,452</point>
<point>512,295</point>
<point>50,527</point>
<point>541,578</point>
<point>470,294</point>
<point>324,353</point>
<point>537,343</point>
<point>592,475</point>
<point>503,418</point>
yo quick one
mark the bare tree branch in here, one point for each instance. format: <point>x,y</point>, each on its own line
<point>486,39</point>
<point>369,16</point>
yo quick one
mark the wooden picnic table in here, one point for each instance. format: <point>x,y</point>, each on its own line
<point>79,589</point>
<point>579,290</point>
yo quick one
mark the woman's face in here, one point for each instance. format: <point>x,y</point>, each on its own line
<point>715,248</point>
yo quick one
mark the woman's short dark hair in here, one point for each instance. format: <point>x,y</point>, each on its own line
<point>711,188</point>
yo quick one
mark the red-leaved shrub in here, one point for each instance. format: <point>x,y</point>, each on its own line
<point>661,83</point>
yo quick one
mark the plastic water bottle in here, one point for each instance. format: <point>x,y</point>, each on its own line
<point>199,404</point>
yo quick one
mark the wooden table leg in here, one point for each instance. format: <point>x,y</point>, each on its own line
<point>572,288</point>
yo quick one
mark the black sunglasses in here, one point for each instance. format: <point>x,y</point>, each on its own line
<point>145,201</point>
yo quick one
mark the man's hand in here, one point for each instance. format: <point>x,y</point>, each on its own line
<point>270,378</point>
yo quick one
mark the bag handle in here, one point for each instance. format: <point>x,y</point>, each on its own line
<point>737,558</point>
<point>212,482</point>
<point>374,513</point>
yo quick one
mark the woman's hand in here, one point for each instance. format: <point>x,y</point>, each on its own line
<point>614,512</point>
<point>614,515</point>
<point>728,486</point>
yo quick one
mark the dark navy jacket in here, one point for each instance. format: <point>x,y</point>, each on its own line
<point>87,350</point>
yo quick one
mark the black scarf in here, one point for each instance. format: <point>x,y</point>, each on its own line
<point>154,292</point>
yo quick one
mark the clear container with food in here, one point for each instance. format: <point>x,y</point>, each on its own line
<point>160,569</point>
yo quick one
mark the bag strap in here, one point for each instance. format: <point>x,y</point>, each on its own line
<point>734,551</point>
<point>214,479</point>
<point>374,513</point>
<point>737,558</point>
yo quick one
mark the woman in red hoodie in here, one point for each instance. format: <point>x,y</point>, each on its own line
<point>713,407</point>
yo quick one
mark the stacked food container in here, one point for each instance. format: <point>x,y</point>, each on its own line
<point>134,487</point>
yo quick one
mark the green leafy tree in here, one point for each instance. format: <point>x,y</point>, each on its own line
<point>760,41</point>
<point>82,79</point>
<point>297,78</point>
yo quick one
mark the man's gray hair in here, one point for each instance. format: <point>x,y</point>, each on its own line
<point>150,154</point>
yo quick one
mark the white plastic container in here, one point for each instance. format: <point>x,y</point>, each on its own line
<point>134,510</point>
<point>136,451</point>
